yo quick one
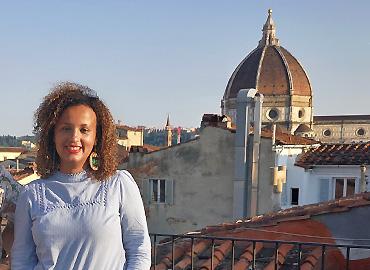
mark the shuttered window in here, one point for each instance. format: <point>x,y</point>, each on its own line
<point>158,191</point>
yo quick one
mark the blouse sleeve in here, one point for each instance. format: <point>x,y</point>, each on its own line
<point>23,255</point>
<point>136,240</point>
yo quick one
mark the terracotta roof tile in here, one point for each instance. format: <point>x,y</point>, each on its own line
<point>336,154</point>
<point>287,139</point>
<point>19,175</point>
<point>146,148</point>
<point>13,149</point>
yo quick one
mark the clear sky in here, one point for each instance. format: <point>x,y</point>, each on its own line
<point>149,58</point>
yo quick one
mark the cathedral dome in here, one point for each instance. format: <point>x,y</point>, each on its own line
<point>270,68</point>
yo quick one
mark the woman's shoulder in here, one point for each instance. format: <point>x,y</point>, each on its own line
<point>122,176</point>
<point>123,179</point>
<point>34,184</point>
<point>33,187</point>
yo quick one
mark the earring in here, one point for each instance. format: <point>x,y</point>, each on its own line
<point>94,161</point>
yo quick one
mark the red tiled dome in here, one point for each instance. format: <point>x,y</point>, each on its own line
<point>270,69</point>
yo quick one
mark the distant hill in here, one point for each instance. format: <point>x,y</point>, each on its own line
<point>13,141</point>
<point>157,137</point>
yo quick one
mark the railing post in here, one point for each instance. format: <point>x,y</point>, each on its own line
<point>154,250</point>
<point>212,252</point>
<point>323,257</point>
<point>232,254</point>
<point>192,252</point>
<point>299,256</point>
<point>173,252</point>
<point>254,255</point>
<point>276,255</point>
<point>347,258</point>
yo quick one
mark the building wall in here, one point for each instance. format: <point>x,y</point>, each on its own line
<point>287,107</point>
<point>28,179</point>
<point>202,171</point>
<point>9,155</point>
<point>317,185</point>
<point>342,132</point>
<point>349,225</point>
<point>135,138</point>
<point>268,200</point>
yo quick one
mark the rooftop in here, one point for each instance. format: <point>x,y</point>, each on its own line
<point>318,118</point>
<point>12,149</point>
<point>310,223</point>
<point>336,154</point>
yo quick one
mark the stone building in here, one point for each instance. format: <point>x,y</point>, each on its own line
<point>190,185</point>
<point>288,94</point>
<point>129,136</point>
<point>342,128</point>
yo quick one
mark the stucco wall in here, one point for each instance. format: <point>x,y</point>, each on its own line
<point>202,172</point>
<point>267,199</point>
<point>310,182</point>
<point>349,228</point>
<point>9,155</point>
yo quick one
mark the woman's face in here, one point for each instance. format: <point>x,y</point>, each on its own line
<point>74,137</point>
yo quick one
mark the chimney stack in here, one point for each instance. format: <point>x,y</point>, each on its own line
<point>249,109</point>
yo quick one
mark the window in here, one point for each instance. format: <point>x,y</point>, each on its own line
<point>344,187</point>
<point>300,113</point>
<point>327,132</point>
<point>294,196</point>
<point>157,191</point>
<point>158,187</point>
<point>273,114</point>
<point>360,132</point>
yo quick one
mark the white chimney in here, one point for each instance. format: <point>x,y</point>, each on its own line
<point>249,106</point>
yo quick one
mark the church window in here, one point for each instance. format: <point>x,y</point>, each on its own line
<point>360,132</point>
<point>273,114</point>
<point>300,113</point>
<point>327,132</point>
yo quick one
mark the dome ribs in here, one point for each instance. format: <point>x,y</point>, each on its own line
<point>245,74</point>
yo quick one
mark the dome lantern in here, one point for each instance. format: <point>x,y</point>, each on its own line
<point>269,32</point>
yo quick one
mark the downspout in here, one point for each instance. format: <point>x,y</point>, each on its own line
<point>252,207</point>
<point>363,187</point>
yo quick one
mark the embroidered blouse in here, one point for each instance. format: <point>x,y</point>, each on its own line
<point>73,222</point>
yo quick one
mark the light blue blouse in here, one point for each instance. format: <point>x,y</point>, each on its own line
<point>72,222</point>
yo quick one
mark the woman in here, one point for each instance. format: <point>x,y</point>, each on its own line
<point>82,213</point>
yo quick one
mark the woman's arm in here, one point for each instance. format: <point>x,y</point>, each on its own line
<point>135,235</point>
<point>23,255</point>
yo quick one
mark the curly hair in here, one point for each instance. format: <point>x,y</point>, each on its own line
<point>50,110</point>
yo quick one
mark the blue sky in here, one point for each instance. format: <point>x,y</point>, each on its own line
<point>149,58</point>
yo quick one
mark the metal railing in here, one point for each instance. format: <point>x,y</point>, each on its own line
<point>161,240</point>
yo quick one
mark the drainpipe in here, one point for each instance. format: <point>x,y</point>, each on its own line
<point>243,119</point>
<point>252,205</point>
<point>363,187</point>
<point>273,135</point>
